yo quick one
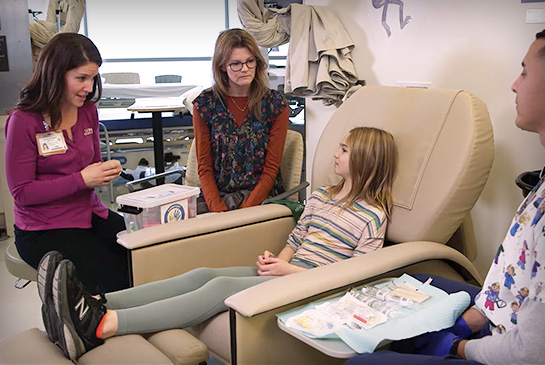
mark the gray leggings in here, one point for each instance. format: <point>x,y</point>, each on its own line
<point>181,301</point>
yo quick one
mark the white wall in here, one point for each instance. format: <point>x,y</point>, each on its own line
<point>464,44</point>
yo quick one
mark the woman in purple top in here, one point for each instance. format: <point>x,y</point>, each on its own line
<point>53,164</point>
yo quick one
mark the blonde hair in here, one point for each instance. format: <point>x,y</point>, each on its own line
<point>373,165</point>
<point>238,38</point>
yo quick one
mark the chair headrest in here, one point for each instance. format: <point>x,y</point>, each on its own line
<point>445,144</point>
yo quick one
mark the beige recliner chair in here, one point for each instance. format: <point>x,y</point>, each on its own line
<point>121,77</point>
<point>446,150</point>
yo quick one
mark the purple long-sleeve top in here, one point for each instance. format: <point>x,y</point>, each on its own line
<point>49,192</point>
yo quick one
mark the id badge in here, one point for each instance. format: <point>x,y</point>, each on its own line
<point>51,143</point>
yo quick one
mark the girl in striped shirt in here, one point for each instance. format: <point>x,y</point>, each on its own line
<point>348,219</point>
<point>339,222</point>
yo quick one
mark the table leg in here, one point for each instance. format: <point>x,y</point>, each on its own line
<point>158,149</point>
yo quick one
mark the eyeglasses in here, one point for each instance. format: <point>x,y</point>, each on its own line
<point>237,66</point>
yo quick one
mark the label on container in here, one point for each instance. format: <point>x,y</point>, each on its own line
<point>176,211</point>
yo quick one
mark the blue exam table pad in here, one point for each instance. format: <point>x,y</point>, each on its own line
<point>438,312</point>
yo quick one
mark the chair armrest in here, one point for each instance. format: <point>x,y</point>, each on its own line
<point>291,191</point>
<point>232,238</point>
<point>289,289</point>
<point>203,224</point>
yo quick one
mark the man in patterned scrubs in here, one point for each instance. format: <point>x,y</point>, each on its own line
<point>506,325</point>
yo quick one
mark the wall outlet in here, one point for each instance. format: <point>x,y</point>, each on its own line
<point>417,84</point>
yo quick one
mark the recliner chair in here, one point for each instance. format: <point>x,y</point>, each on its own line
<point>446,147</point>
<point>121,77</point>
<point>160,79</point>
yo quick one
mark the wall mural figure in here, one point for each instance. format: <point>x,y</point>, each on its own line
<point>384,3</point>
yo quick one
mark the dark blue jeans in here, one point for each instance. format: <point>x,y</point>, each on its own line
<point>401,349</point>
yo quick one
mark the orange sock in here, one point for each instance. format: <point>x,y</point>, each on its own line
<point>100,326</point>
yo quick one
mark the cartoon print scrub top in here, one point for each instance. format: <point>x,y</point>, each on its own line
<point>516,276</point>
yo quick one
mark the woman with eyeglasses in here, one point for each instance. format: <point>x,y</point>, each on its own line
<point>240,128</point>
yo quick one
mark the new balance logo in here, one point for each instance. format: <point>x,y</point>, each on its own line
<point>82,308</point>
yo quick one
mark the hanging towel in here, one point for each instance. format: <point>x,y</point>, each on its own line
<point>269,28</point>
<point>319,63</point>
<point>42,31</point>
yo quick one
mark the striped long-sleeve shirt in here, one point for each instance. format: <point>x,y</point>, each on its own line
<point>326,233</point>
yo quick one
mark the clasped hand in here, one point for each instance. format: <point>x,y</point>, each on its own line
<point>270,265</point>
<point>101,173</point>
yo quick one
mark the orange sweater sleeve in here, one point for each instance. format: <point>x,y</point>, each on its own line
<point>204,161</point>
<point>275,148</point>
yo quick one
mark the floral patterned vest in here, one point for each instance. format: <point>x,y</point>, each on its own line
<point>239,152</point>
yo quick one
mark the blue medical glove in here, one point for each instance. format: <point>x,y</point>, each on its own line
<point>460,328</point>
<point>434,343</point>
